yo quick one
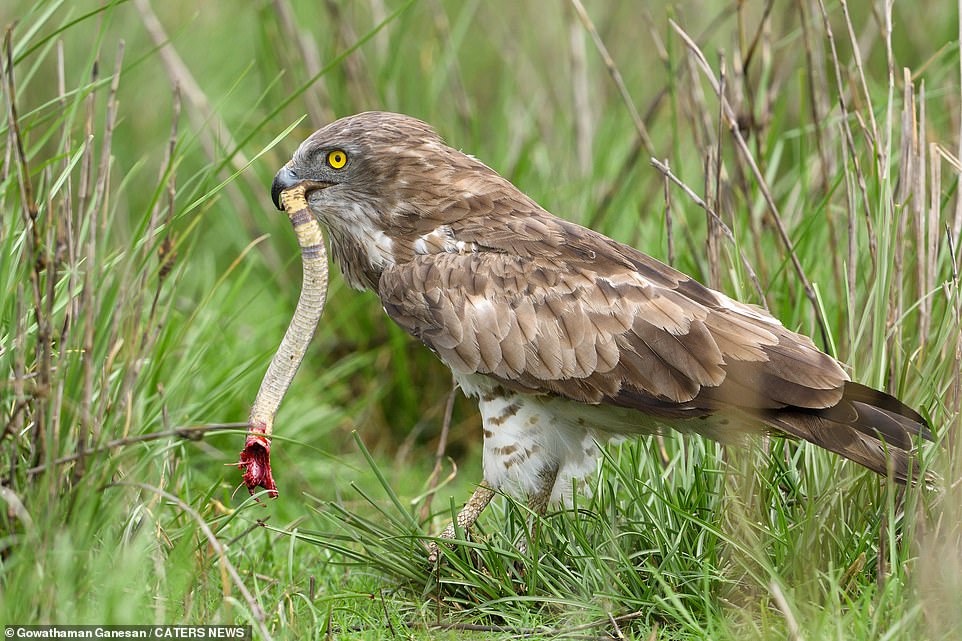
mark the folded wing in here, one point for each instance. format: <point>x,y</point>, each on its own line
<point>580,316</point>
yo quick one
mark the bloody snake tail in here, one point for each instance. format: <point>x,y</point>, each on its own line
<point>255,459</point>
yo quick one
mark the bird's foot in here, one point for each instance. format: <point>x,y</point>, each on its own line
<point>464,520</point>
<point>449,534</point>
<point>537,506</point>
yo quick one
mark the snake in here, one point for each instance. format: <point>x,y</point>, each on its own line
<point>255,457</point>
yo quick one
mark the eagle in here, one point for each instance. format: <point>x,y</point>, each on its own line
<point>567,338</point>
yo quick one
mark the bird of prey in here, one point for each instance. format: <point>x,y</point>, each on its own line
<point>566,337</point>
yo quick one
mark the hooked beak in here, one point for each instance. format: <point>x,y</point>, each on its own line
<point>284,179</point>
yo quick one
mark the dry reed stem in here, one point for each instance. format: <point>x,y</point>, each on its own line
<point>85,205</point>
<point>712,154</point>
<point>89,427</point>
<point>885,164</point>
<point>849,138</point>
<point>668,222</point>
<point>732,124</point>
<point>714,168</point>
<point>901,195</point>
<point>819,105</point>
<point>51,431</point>
<point>933,230</point>
<point>723,228</point>
<point>435,476</point>
<point>34,246</point>
<point>957,223</point>
<point>634,154</point>
<point>149,328</point>
<point>66,218</point>
<point>754,115</point>
<point>918,209</point>
<point>101,206</point>
<point>851,225</point>
<point>881,160</point>
<point>615,74</point>
<point>16,421</point>
<point>379,15</point>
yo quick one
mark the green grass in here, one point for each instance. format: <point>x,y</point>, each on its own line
<point>147,289</point>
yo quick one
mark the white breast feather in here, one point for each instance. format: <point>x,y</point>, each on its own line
<point>526,436</point>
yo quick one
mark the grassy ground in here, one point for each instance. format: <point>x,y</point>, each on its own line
<point>145,281</point>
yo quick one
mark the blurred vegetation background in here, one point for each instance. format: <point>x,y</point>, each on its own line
<point>145,281</point>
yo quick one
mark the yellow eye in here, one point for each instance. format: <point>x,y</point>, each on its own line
<point>337,159</point>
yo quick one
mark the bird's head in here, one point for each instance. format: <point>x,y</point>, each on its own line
<point>379,182</point>
<point>362,156</point>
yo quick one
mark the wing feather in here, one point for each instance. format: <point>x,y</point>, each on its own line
<point>594,321</point>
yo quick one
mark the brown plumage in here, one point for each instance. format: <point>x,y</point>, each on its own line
<point>577,334</point>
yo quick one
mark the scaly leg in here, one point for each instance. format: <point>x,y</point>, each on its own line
<point>465,518</point>
<point>538,504</point>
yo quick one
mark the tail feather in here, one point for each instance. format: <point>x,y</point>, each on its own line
<point>892,405</point>
<point>866,426</point>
